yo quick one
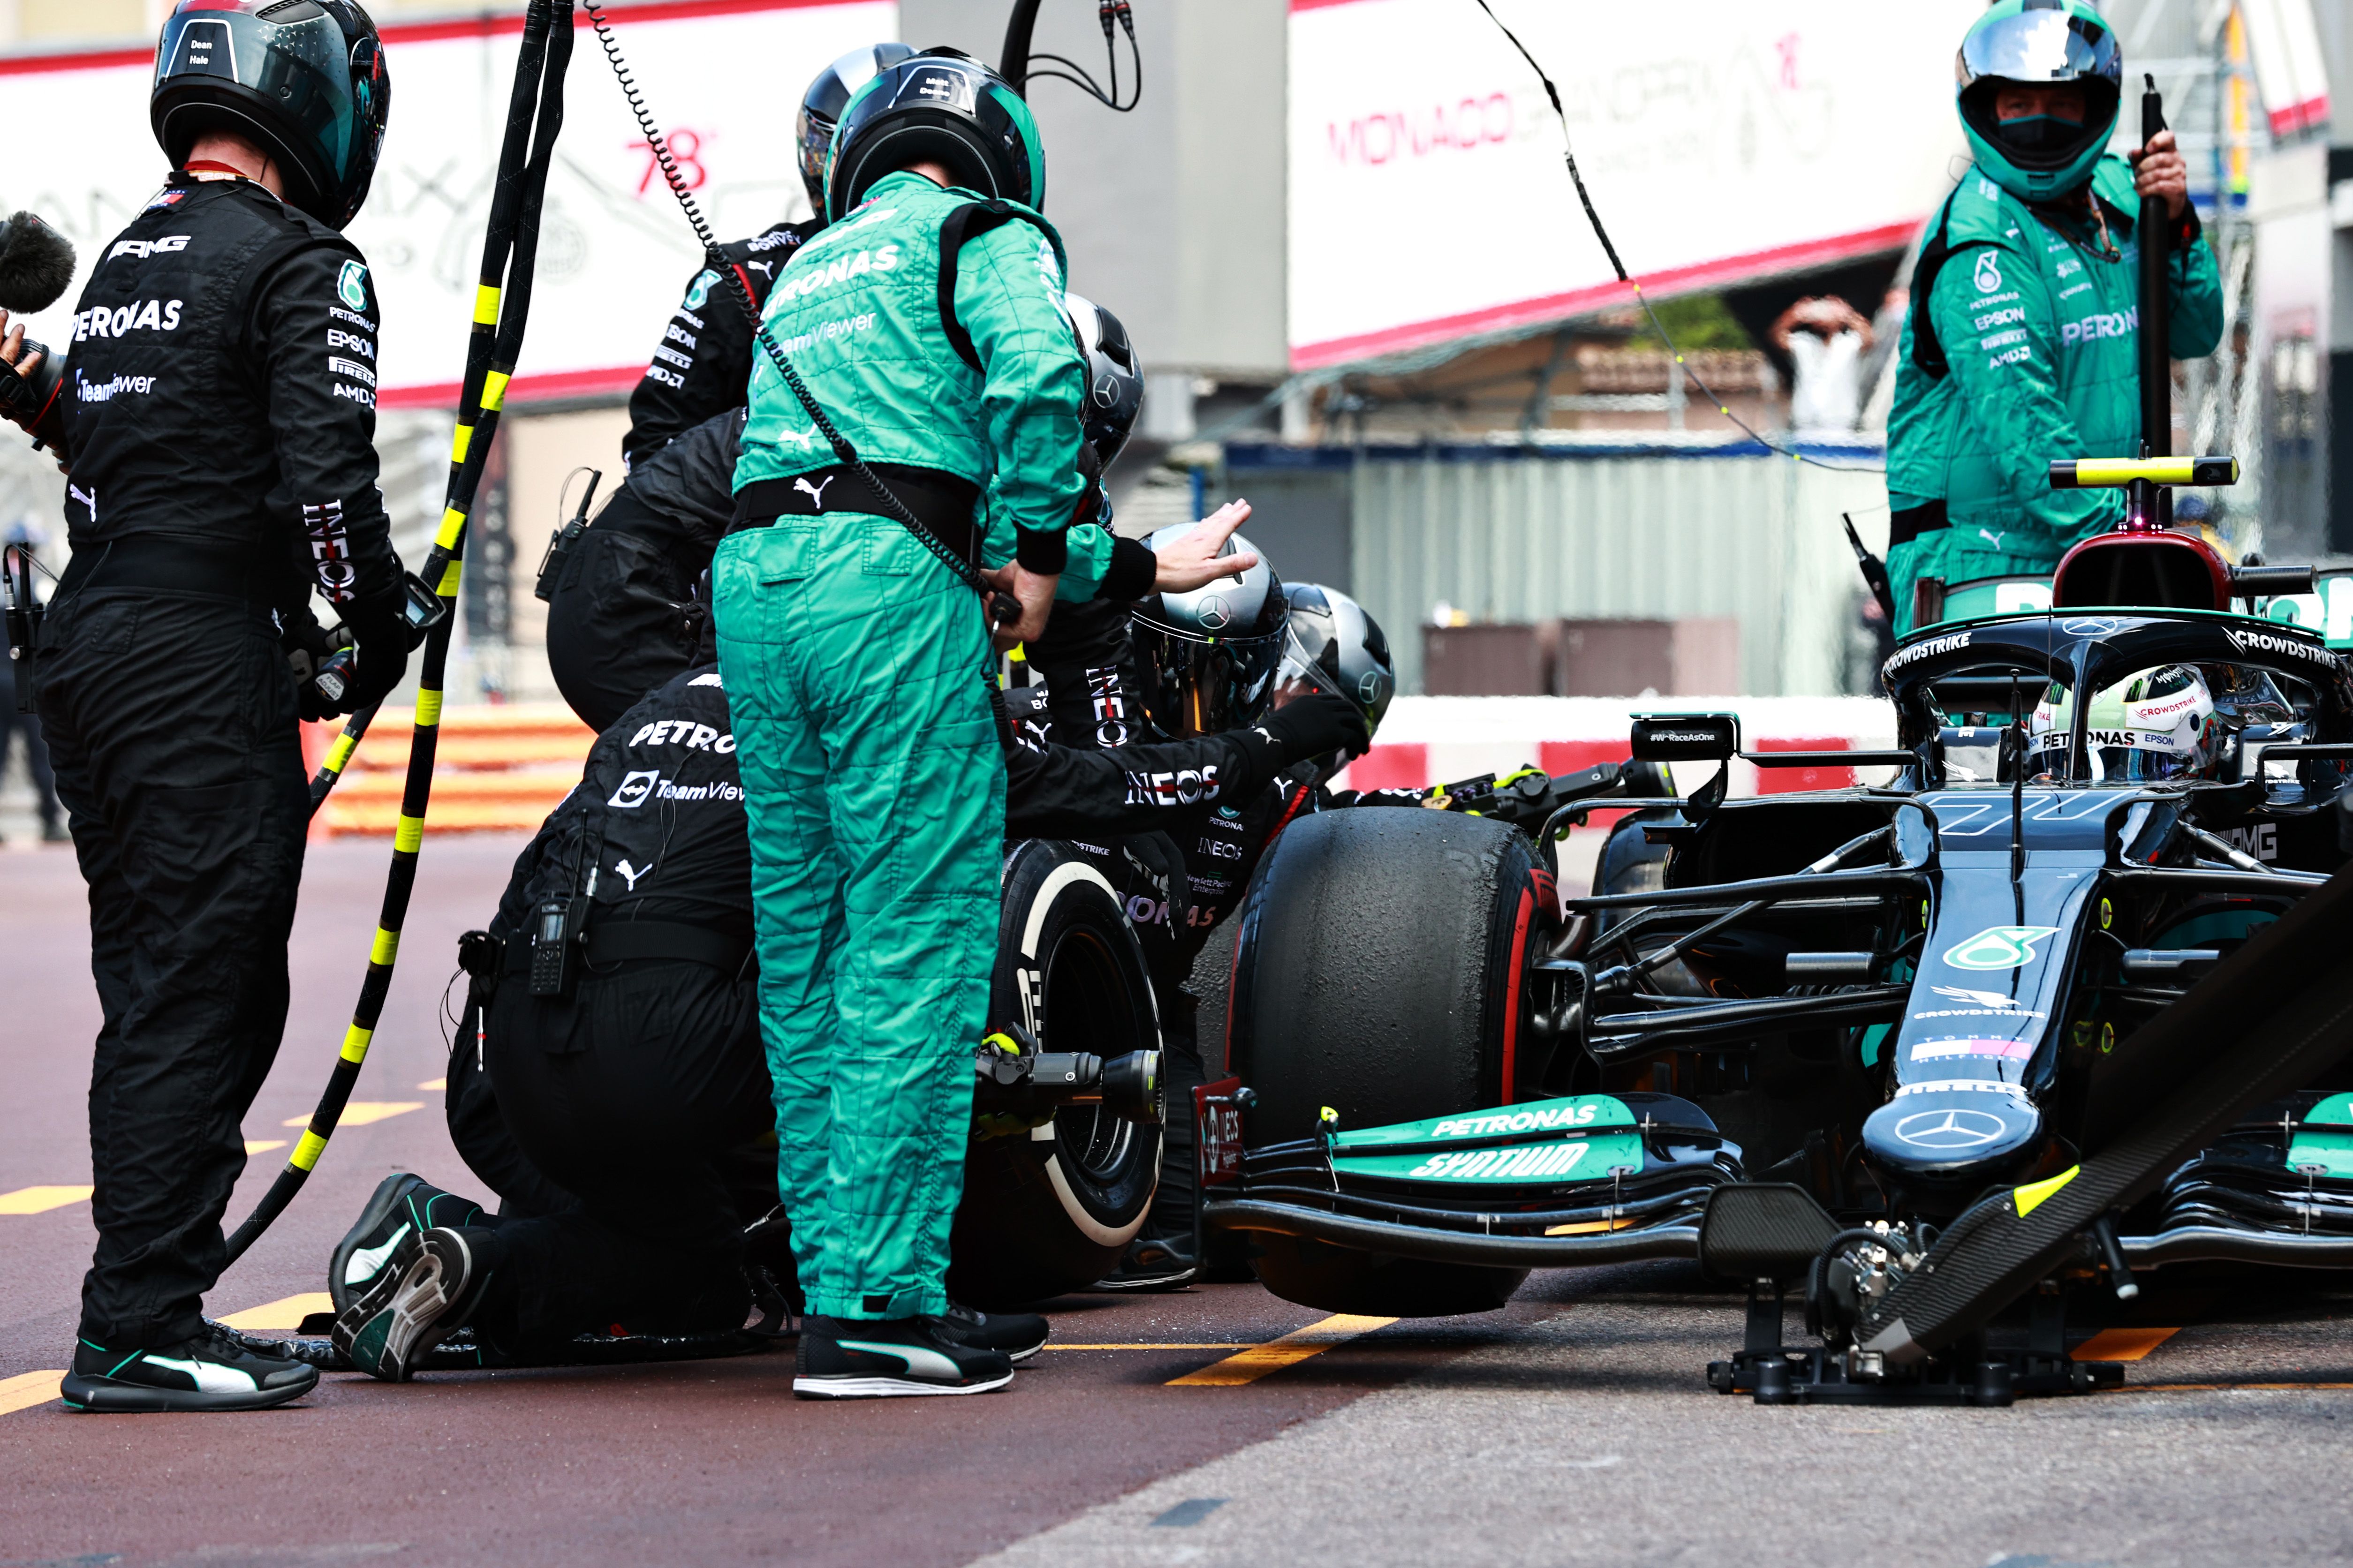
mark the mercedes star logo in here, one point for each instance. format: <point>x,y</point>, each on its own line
<point>1214,614</point>
<point>1950,1129</point>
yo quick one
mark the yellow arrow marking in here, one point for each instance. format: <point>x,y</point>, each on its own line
<point>1275,1354</point>
<point>41,1200</point>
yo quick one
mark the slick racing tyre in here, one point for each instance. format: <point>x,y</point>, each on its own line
<point>1054,1209</point>
<point>1381,971</point>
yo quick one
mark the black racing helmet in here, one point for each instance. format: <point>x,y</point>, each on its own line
<point>303,78</point>
<point>1333,646</point>
<point>1207,659</point>
<point>940,106</point>
<point>827,97</point>
<point>1114,379</point>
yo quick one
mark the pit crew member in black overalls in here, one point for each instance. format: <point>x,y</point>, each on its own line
<point>624,608</point>
<point>610,1107</point>
<point>216,416</point>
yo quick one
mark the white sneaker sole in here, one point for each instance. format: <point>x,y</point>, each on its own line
<point>414,1305</point>
<point>884,1387</point>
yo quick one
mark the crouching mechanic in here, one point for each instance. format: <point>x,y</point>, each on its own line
<point>2022,343</point>
<point>216,420</point>
<point>620,1036</point>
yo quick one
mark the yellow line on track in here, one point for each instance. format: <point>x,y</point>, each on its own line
<point>1157,1345</point>
<point>1275,1354</point>
<point>2122,1344</point>
<point>41,1200</point>
<point>263,1145</point>
<point>28,1389</point>
<point>360,1112</point>
<point>286,1313</point>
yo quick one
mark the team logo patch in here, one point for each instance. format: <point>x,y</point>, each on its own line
<point>1987,274</point>
<point>1998,947</point>
<point>352,284</point>
<point>698,293</point>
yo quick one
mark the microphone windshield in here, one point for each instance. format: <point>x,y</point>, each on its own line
<point>36,264</point>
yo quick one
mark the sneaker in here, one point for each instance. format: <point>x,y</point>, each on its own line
<point>425,1292</point>
<point>843,1358</point>
<point>211,1371</point>
<point>402,1206</point>
<point>1017,1335</point>
<point>1152,1264</point>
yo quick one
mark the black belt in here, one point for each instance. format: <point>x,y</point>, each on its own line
<point>613,942</point>
<point>1908,523</point>
<point>151,561</point>
<point>943,504</point>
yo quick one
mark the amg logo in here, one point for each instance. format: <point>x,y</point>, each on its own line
<point>2260,839</point>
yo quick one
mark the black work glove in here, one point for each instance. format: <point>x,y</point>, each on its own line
<point>308,646</point>
<point>1315,726</point>
<point>382,632</point>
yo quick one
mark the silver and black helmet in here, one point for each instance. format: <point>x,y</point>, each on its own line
<point>1333,646</point>
<point>822,104</point>
<point>1207,659</point>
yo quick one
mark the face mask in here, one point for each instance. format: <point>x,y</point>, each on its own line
<point>2038,132</point>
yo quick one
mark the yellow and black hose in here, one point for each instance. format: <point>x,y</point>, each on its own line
<point>502,307</point>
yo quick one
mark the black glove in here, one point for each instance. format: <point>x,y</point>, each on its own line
<point>308,646</point>
<point>382,632</point>
<point>1313,726</point>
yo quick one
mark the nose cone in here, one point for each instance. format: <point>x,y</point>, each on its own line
<point>1965,1130</point>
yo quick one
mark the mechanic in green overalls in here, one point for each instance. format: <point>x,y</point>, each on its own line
<point>931,330</point>
<point>2018,348</point>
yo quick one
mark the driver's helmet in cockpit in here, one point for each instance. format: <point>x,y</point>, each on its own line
<point>2154,725</point>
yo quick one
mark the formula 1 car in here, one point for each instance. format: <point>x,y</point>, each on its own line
<point>2063,1000</point>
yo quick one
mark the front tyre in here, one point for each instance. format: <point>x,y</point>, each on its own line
<point>1054,1209</point>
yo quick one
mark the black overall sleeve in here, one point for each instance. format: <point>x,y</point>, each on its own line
<point>318,351</point>
<point>1063,791</point>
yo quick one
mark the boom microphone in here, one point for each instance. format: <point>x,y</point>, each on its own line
<point>36,264</point>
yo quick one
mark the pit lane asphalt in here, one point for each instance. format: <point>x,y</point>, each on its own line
<point>1572,1428</point>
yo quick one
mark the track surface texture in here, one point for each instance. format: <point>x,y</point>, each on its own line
<point>1572,1428</point>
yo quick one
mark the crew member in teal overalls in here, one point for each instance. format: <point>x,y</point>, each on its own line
<point>2021,343</point>
<point>928,323</point>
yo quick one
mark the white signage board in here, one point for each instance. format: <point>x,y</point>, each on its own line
<point>722,76</point>
<point>2291,70</point>
<point>1720,139</point>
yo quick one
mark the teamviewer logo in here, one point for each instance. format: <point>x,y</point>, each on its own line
<point>635,788</point>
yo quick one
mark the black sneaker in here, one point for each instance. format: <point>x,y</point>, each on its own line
<point>843,1358</point>
<point>1018,1335</point>
<point>1153,1263</point>
<point>213,1371</point>
<point>402,1206</point>
<point>425,1292</point>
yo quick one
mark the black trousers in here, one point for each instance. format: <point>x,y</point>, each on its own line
<point>172,728</point>
<point>644,1097</point>
<point>621,618</point>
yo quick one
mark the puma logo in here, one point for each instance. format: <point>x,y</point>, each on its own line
<point>815,492</point>
<point>630,874</point>
<point>805,439</point>
<point>1990,537</point>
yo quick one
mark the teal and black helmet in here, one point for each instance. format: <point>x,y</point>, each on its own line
<point>939,107</point>
<point>304,80</point>
<point>2039,43</point>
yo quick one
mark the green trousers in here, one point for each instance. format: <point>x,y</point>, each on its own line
<point>856,668</point>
